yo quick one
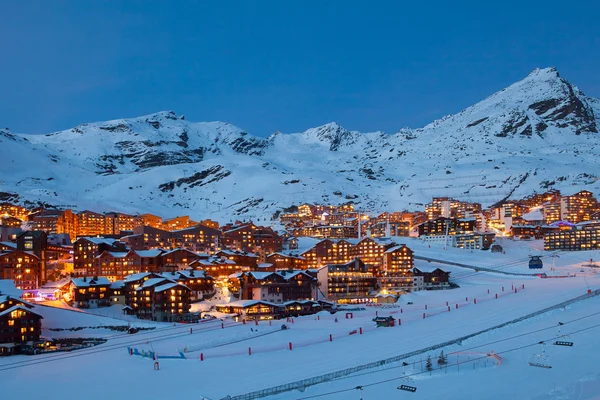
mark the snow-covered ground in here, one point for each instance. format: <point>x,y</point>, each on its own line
<point>228,369</point>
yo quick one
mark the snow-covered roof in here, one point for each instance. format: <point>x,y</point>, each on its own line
<point>237,253</point>
<point>391,250</point>
<point>57,284</point>
<point>385,295</point>
<point>118,254</point>
<point>247,303</point>
<point>99,240</point>
<point>152,282</point>
<point>264,265</point>
<point>19,307</point>
<point>9,244</point>
<point>117,285</point>
<point>289,254</point>
<point>287,303</point>
<point>287,274</point>
<point>178,249</point>
<point>136,277</point>
<point>149,253</point>
<point>260,275</point>
<point>80,283</point>
<point>7,287</point>
<point>167,286</point>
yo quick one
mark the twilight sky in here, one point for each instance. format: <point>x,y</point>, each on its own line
<point>280,65</point>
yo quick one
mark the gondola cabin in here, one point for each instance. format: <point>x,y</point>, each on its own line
<point>384,321</point>
<point>535,263</point>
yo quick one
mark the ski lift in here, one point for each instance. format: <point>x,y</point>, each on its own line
<point>541,360</point>
<point>561,337</point>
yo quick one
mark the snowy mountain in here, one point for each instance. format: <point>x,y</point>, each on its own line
<point>538,133</point>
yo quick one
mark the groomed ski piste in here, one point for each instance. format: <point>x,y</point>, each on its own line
<point>480,327</point>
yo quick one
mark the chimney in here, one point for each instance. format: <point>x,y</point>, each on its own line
<point>84,279</point>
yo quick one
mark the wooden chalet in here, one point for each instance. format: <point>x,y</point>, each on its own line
<point>20,325</point>
<point>435,279</point>
<point>201,285</point>
<point>249,310</point>
<point>282,260</point>
<point>161,299</point>
<point>90,292</point>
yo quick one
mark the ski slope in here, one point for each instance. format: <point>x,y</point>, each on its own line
<point>227,368</point>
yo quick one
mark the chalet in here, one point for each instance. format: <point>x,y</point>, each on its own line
<point>23,267</point>
<point>370,251</point>
<point>532,231</point>
<point>396,274</point>
<point>117,265</point>
<point>286,261</point>
<point>11,222</point>
<point>197,238</point>
<point>177,259</point>
<point>387,298</point>
<point>249,310</point>
<point>151,260</point>
<point>86,249</point>
<point>295,308</point>
<point>278,287</point>
<point>201,285</point>
<point>241,258</point>
<point>217,267</point>
<point>90,292</point>
<point>161,299</point>
<point>133,281</point>
<point>351,282</point>
<point>19,325</point>
<point>434,279</point>
<point>328,251</point>
<point>251,238</point>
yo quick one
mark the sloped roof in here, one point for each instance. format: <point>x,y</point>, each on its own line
<point>149,253</point>
<point>117,285</point>
<point>7,287</point>
<point>391,250</point>
<point>79,282</point>
<point>247,303</point>
<point>19,307</point>
<point>136,277</point>
<point>99,240</point>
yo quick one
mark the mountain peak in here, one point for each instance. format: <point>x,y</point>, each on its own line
<point>544,73</point>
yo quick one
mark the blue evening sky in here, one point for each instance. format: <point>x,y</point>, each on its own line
<point>280,65</point>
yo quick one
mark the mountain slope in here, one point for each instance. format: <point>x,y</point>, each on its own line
<point>538,133</point>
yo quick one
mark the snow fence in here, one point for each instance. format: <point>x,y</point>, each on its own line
<point>304,383</point>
